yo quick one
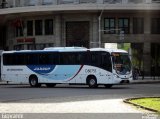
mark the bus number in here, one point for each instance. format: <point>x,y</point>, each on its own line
<point>90,71</point>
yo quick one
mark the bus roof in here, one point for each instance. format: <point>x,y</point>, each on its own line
<point>108,50</point>
<point>66,49</point>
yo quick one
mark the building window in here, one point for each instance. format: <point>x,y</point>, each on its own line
<point>109,25</point>
<point>32,2</point>
<point>19,31</point>
<point>47,2</point>
<point>19,47</point>
<point>155,1</point>
<point>31,46</point>
<point>49,27</point>
<point>138,25</point>
<point>29,28</point>
<point>42,46</point>
<point>123,24</point>
<point>135,1</point>
<point>38,27</point>
<point>112,1</point>
<point>155,26</point>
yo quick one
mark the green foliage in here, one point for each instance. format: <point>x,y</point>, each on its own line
<point>152,103</point>
<point>124,46</point>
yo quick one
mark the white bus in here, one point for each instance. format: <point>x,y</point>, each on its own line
<point>72,65</point>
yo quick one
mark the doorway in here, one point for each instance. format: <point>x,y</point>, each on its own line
<point>77,33</point>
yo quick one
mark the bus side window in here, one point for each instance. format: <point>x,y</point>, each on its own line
<point>106,61</point>
<point>94,58</point>
<point>79,58</point>
<point>83,58</point>
<point>45,59</point>
<point>9,59</point>
<point>20,59</point>
<point>71,58</point>
<point>32,59</point>
<point>6,59</point>
<point>63,58</point>
<point>67,58</point>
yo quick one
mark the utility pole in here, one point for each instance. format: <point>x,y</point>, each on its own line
<point>99,28</point>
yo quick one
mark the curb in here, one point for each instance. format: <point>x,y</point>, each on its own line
<point>137,105</point>
<point>10,83</point>
<point>145,82</point>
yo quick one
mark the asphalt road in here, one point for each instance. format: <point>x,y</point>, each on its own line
<point>66,95</point>
<point>12,93</point>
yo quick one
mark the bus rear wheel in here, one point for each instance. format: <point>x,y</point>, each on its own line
<point>92,82</point>
<point>33,81</point>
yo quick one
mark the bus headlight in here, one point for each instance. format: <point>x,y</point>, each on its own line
<point>116,76</point>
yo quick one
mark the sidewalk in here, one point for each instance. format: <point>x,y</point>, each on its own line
<point>90,106</point>
<point>146,80</point>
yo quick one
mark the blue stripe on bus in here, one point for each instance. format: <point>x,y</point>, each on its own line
<point>56,72</point>
<point>63,72</point>
<point>41,69</point>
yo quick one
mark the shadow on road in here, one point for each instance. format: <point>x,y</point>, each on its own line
<point>67,87</point>
<point>60,93</point>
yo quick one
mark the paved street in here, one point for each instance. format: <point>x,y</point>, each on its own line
<point>73,99</point>
<point>12,93</point>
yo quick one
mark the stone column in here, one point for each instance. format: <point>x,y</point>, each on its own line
<point>147,46</point>
<point>57,31</point>
<point>148,1</point>
<point>10,38</point>
<point>94,32</point>
<point>147,25</point>
<point>100,1</point>
<point>14,3</point>
<point>21,3</point>
<point>147,58</point>
<point>124,1</point>
<point>76,1</point>
<point>39,2</point>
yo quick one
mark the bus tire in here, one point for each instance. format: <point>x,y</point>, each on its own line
<point>50,85</point>
<point>108,85</point>
<point>33,81</point>
<point>92,82</point>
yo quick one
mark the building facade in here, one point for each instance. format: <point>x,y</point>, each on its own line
<point>35,24</point>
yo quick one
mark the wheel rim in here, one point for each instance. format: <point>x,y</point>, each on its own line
<point>33,82</point>
<point>92,82</point>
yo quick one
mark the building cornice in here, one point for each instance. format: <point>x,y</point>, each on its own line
<point>80,7</point>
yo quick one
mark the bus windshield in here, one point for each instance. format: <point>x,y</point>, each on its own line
<point>121,63</point>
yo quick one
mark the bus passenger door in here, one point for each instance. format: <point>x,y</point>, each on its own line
<point>106,65</point>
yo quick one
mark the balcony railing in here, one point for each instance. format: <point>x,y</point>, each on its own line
<point>23,3</point>
<point>112,1</point>
<point>135,1</point>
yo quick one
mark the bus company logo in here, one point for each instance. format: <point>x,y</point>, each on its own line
<point>90,71</point>
<point>42,68</point>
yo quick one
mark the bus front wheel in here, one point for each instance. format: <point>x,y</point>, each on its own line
<point>33,81</point>
<point>92,82</point>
